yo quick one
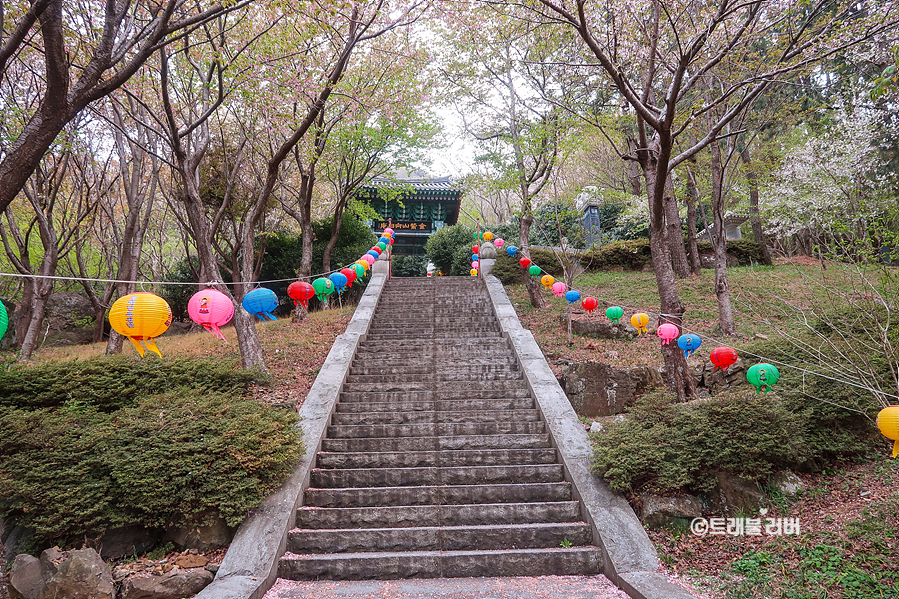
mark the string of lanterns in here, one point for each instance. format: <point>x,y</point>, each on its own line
<point>143,316</point>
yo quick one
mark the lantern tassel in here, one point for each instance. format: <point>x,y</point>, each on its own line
<point>151,345</point>
<point>270,315</point>
<point>896,448</point>
<point>138,346</point>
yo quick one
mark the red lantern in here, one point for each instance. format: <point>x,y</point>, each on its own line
<point>590,304</point>
<point>375,248</point>
<point>301,292</point>
<point>723,357</point>
<point>475,249</point>
<point>525,262</point>
<point>350,275</point>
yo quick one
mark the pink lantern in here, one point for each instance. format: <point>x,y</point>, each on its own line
<point>667,332</point>
<point>475,264</point>
<point>388,231</point>
<point>369,258</point>
<point>559,289</point>
<point>211,309</point>
<point>498,242</point>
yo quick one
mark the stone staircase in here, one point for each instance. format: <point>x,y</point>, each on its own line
<point>436,462</point>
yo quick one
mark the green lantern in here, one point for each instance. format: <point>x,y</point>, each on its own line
<point>4,320</point>
<point>323,288</point>
<point>763,376</point>
<point>614,313</point>
<point>382,245</point>
<point>359,270</point>
<point>534,271</point>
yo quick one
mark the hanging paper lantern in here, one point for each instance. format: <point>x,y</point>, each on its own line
<point>340,281</point>
<point>512,250</point>
<point>376,250</point>
<point>302,292</point>
<point>382,246</point>
<point>473,272</point>
<point>475,264</point>
<point>525,262</point>
<point>723,357</point>
<point>589,304</point>
<point>350,275</point>
<point>359,269</point>
<point>488,236</point>
<point>369,259</point>
<point>547,281</point>
<point>572,296</point>
<point>888,423</point>
<point>373,254</point>
<point>534,271</point>
<point>639,321</point>
<point>763,376</point>
<point>388,231</point>
<point>392,239</point>
<point>667,332</point>
<point>4,320</point>
<point>211,309</point>
<point>261,302</point>
<point>363,263</point>
<point>477,235</point>
<point>475,256</point>
<point>559,288</point>
<point>475,249</point>
<point>689,343</point>
<point>141,316</point>
<point>498,242</point>
<point>323,288</point>
<point>429,274</point>
<point>614,313</point>
<point>385,240</point>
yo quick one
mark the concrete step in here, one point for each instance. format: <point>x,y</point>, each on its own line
<point>442,375</point>
<point>442,564</point>
<point>447,405</point>
<point>420,365</point>
<point>437,495</point>
<point>439,538</point>
<point>418,417</point>
<point>417,477</point>
<point>385,444</point>
<point>440,387</point>
<point>417,459</point>
<point>438,515</point>
<point>480,335</point>
<point>449,429</point>
<point>431,394</point>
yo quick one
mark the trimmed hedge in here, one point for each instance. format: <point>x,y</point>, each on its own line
<point>746,251</point>
<point>630,255</point>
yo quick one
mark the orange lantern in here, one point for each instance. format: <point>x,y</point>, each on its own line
<point>888,423</point>
<point>141,317</point>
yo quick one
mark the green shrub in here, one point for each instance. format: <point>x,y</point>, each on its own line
<point>667,446</point>
<point>746,251</point>
<point>447,247</point>
<point>409,266</point>
<point>113,382</point>
<point>630,255</point>
<point>546,260</point>
<point>507,269</point>
<point>166,460</point>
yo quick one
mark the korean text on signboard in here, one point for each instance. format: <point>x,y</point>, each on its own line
<point>403,226</point>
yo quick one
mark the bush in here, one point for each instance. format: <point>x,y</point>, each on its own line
<point>668,446</point>
<point>507,269</point>
<point>630,255</point>
<point>167,460</point>
<point>409,266</point>
<point>447,247</point>
<point>746,251</point>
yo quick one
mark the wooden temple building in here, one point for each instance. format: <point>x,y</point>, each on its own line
<point>419,207</point>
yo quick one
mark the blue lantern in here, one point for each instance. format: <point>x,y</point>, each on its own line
<point>512,250</point>
<point>689,343</point>
<point>261,302</point>
<point>339,280</point>
<point>384,240</point>
<point>475,257</point>
<point>373,254</point>
<point>572,296</point>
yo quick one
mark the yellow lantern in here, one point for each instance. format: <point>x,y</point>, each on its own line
<point>141,317</point>
<point>364,264</point>
<point>547,281</point>
<point>488,236</point>
<point>888,423</point>
<point>639,321</point>
<point>473,272</point>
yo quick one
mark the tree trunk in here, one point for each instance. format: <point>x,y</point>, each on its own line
<point>675,232</point>
<point>632,168</point>
<point>335,231</point>
<point>755,218</point>
<point>532,285</point>
<point>33,331</point>
<point>719,243</point>
<point>692,246</point>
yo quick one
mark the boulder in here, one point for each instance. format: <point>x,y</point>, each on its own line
<point>597,389</point>
<point>14,537</point>
<point>70,317</point>
<point>666,512</point>
<point>707,376</point>
<point>708,260</point>
<point>733,495</point>
<point>786,482</point>
<point>79,574</point>
<point>174,584</point>
<point>127,541</point>
<point>201,538</point>
<point>600,328</point>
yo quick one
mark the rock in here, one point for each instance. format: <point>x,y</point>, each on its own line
<point>79,574</point>
<point>15,535</point>
<point>70,318</point>
<point>597,389</point>
<point>786,482</point>
<point>191,561</point>
<point>127,541</point>
<point>662,512</point>
<point>599,328</point>
<point>595,427</point>
<point>213,567</point>
<point>203,538</point>
<point>174,584</point>
<point>733,495</point>
<point>720,379</point>
<point>26,581</point>
<point>708,260</point>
